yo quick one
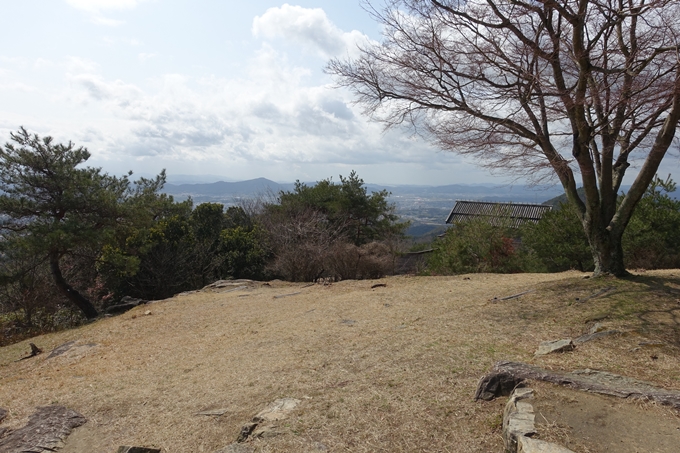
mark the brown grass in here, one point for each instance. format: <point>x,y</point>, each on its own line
<point>390,369</point>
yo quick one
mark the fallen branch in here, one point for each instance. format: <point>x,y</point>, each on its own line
<point>379,285</point>
<point>287,295</point>
<point>514,295</point>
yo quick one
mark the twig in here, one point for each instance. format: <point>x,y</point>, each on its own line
<point>597,294</point>
<point>514,295</point>
<point>379,285</point>
<point>286,295</point>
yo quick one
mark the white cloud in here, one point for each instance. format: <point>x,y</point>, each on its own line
<point>94,6</point>
<point>270,116</point>
<point>143,57</point>
<point>309,27</point>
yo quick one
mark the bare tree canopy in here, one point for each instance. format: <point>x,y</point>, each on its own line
<point>574,87</point>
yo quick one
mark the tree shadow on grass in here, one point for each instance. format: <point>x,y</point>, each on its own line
<point>661,313</point>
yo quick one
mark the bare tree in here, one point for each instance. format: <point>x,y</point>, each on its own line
<point>569,86</point>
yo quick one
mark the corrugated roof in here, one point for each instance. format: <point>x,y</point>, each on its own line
<point>518,213</point>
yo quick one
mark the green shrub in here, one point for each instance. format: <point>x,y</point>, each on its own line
<point>558,242</point>
<point>475,246</point>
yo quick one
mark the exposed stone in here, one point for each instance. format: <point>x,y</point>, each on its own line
<point>277,410</point>
<point>226,283</point>
<point>529,445</point>
<point>127,449</point>
<point>119,308</point>
<point>266,431</point>
<point>3,414</point>
<point>236,448</point>
<point>595,328</point>
<point>246,430</point>
<point>68,347</point>
<point>518,418</point>
<point>549,347</point>
<point>263,425</point>
<point>518,426</point>
<point>494,385</point>
<point>59,350</point>
<point>45,431</point>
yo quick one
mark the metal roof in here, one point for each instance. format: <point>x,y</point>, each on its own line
<point>518,213</point>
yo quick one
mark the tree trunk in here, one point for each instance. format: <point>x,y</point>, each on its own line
<point>74,296</point>
<point>607,254</point>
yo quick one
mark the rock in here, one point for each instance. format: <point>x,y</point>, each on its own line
<point>494,385</point>
<point>594,336</point>
<point>68,347</point>
<point>45,431</point>
<point>236,448</point>
<point>226,283</point>
<point>529,445</point>
<point>133,300</point>
<point>246,430</point>
<point>348,322</point>
<point>125,304</point>
<point>278,410</point>
<point>595,328</point>
<point>3,414</point>
<point>549,347</point>
<point>518,426</point>
<point>127,449</point>
<point>263,425</point>
<point>59,350</point>
<point>518,418</point>
<point>266,431</point>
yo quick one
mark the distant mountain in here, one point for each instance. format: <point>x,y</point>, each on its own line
<point>222,189</point>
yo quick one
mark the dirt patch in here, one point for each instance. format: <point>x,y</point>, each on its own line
<point>585,422</point>
<point>398,378</point>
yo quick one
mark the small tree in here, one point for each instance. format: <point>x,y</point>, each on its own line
<point>557,240</point>
<point>652,240</point>
<point>51,206</point>
<point>476,245</point>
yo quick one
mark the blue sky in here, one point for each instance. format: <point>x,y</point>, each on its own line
<point>224,88</point>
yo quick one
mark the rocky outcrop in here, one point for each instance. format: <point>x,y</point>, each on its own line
<point>519,427</point>
<point>45,431</point>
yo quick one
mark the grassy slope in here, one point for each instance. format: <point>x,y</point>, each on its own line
<point>400,378</point>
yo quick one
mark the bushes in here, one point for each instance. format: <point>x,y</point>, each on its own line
<point>475,246</point>
<point>330,230</point>
<point>558,241</point>
<point>652,239</point>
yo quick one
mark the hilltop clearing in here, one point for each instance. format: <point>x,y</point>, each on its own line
<point>391,368</point>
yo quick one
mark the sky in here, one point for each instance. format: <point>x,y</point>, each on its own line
<point>230,90</point>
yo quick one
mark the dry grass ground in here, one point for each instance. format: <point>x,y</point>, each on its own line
<point>389,369</point>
